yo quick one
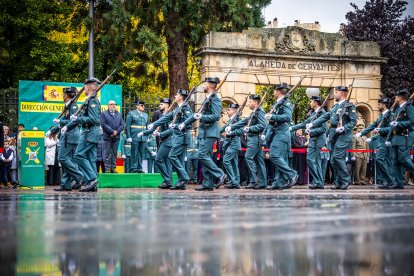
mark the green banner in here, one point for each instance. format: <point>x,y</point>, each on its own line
<point>41,101</point>
<point>31,160</point>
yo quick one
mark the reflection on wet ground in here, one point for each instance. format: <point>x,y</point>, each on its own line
<point>148,232</point>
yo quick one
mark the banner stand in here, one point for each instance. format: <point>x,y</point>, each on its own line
<point>31,156</point>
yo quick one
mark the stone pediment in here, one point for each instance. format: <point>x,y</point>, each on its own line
<point>292,40</point>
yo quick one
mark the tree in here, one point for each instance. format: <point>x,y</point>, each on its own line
<point>382,21</point>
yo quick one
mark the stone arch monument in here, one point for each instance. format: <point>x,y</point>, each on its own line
<point>259,56</point>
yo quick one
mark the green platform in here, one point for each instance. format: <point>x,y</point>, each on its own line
<point>131,180</point>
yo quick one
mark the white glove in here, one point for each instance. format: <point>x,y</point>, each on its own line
<point>181,126</point>
<point>172,126</point>
<point>153,153</point>
<point>246,129</point>
<point>377,130</point>
<point>263,137</point>
<point>388,143</point>
<point>129,140</point>
<point>309,126</point>
<point>185,158</point>
<point>74,117</point>
<point>339,129</point>
<point>368,140</point>
<point>290,129</point>
<point>123,156</point>
<point>63,129</point>
<point>197,116</point>
<point>353,158</point>
<point>394,123</point>
<point>140,134</point>
<point>155,134</point>
<point>150,126</point>
<point>229,133</point>
<point>307,131</point>
<point>48,133</point>
<point>228,128</point>
<point>56,121</point>
<point>358,135</point>
<point>346,159</point>
<point>268,116</point>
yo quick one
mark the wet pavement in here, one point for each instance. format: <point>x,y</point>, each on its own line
<point>361,231</point>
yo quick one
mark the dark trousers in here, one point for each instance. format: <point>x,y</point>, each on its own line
<point>4,173</point>
<point>53,175</point>
<point>110,153</point>
<point>100,164</point>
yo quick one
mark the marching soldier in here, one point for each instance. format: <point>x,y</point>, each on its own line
<point>180,139</point>
<point>71,176</point>
<point>85,155</point>
<point>136,122</point>
<point>317,140</point>
<point>125,152</point>
<point>278,135</point>
<point>340,136</point>
<point>401,138</point>
<point>253,126</point>
<point>231,147</point>
<point>381,127</point>
<point>165,134</point>
<point>208,134</point>
<point>192,158</point>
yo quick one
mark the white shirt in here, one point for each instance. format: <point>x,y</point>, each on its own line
<point>340,102</point>
<point>401,105</point>
<point>385,112</point>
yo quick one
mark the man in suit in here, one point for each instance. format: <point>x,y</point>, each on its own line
<point>112,125</point>
<point>136,122</point>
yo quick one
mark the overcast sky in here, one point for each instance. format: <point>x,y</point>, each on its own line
<point>329,13</point>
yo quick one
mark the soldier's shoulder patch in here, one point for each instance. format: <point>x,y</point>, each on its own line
<point>288,103</point>
<point>93,105</point>
<point>74,107</point>
<point>353,110</point>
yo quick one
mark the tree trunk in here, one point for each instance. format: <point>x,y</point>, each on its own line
<point>177,55</point>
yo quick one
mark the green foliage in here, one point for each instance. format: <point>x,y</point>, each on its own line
<point>8,107</point>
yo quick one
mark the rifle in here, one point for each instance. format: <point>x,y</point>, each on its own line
<point>212,94</point>
<point>184,103</point>
<point>341,116</point>
<point>85,103</point>
<point>325,102</point>
<point>255,110</point>
<point>72,101</point>
<point>282,101</point>
<point>239,111</point>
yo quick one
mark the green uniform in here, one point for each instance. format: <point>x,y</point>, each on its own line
<point>402,139</point>
<point>278,135</point>
<point>339,143</point>
<point>192,159</point>
<point>136,122</point>
<point>231,148</point>
<point>254,155</point>
<point>162,162</point>
<point>85,155</point>
<point>67,148</point>
<point>317,141</point>
<point>150,147</point>
<point>208,134</point>
<point>126,151</point>
<point>383,160</point>
<point>180,139</point>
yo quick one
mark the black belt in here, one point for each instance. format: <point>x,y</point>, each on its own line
<point>89,126</point>
<point>274,123</point>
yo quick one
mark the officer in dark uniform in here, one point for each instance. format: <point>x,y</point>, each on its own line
<point>253,126</point>
<point>165,134</point>
<point>317,139</point>
<point>381,127</point>
<point>71,176</point>
<point>192,158</point>
<point>279,137</point>
<point>180,139</point>
<point>401,138</point>
<point>89,119</point>
<point>231,147</point>
<point>136,122</point>
<point>340,136</point>
<point>208,134</point>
